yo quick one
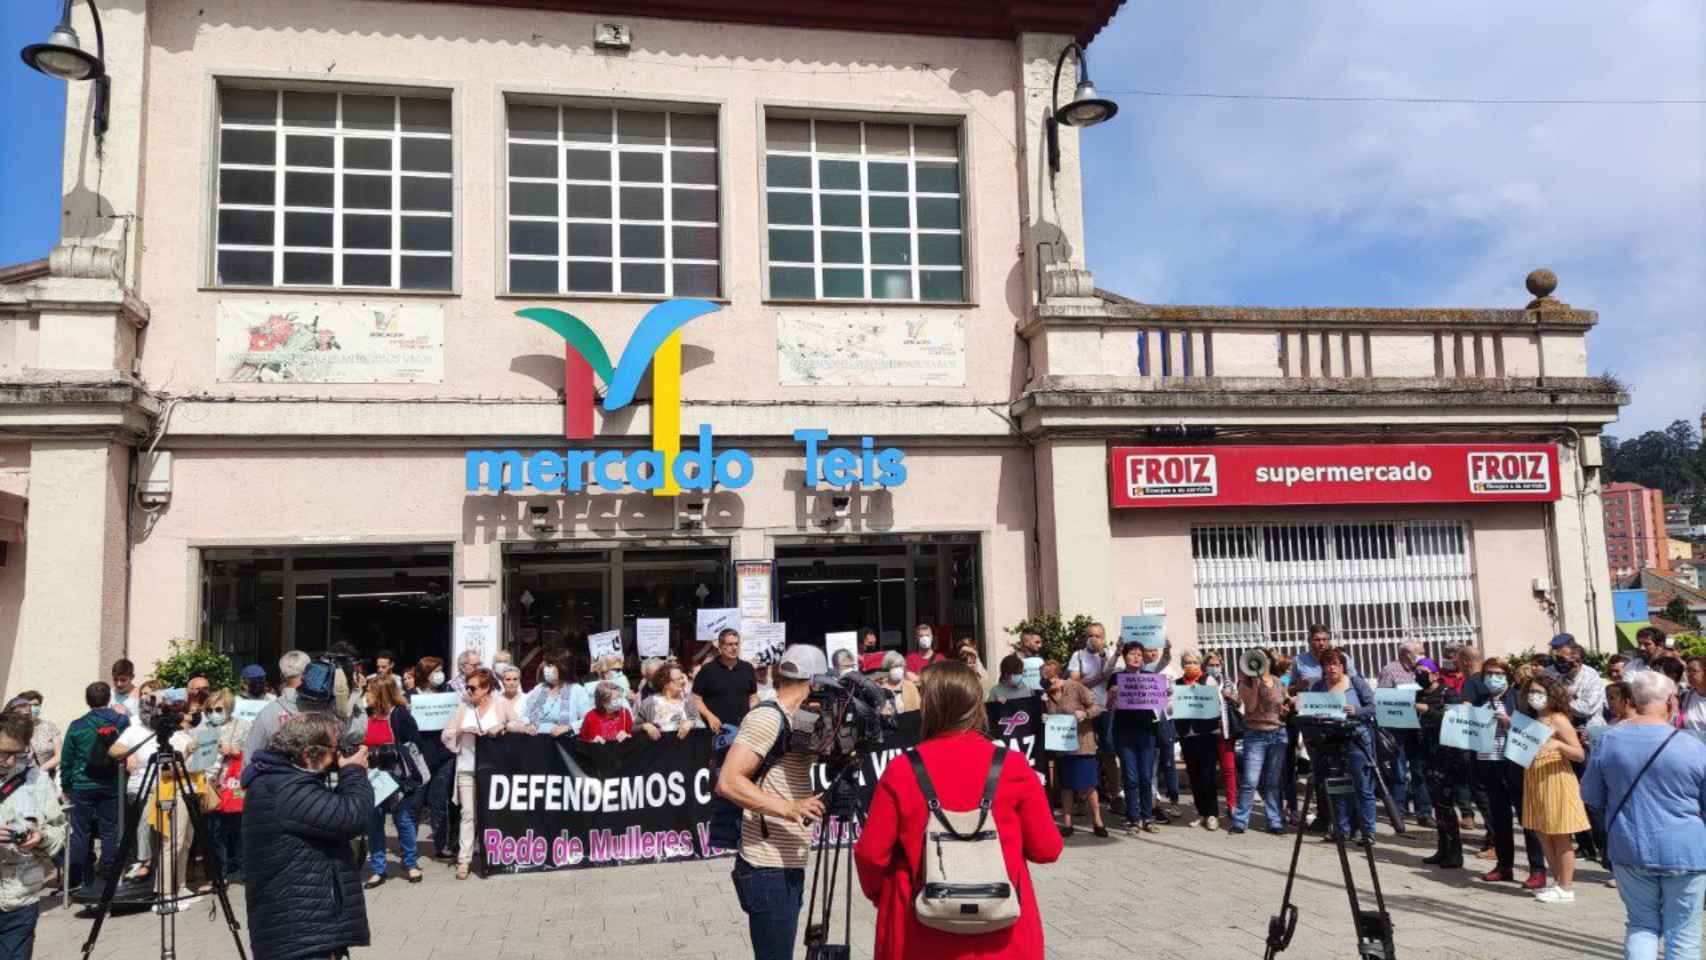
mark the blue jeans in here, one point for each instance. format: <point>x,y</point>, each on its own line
<point>92,815</point>
<point>1411,790</point>
<point>771,898</point>
<point>404,818</point>
<point>1167,761</point>
<point>1355,812</point>
<point>1660,908</point>
<point>1261,767</point>
<point>18,932</point>
<point>1137,770</point>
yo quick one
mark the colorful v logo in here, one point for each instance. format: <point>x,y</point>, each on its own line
<point>656,343</point>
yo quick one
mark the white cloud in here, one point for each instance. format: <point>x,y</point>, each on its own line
<point>1395,204</point>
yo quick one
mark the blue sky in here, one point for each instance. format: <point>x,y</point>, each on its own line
<point>1325,204</point>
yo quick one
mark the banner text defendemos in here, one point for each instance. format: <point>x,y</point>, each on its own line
<point>698,468</point>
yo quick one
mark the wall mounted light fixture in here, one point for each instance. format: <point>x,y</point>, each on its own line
<point>63,56</point>
<point>1086,109</point>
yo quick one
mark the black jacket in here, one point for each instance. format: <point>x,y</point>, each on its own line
<point>303,891</point>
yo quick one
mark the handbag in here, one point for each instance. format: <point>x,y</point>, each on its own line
<point>231,786</point>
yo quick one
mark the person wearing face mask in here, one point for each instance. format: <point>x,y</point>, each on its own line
<point>1199,740</point>
<point>870,652</point>
<point>925,652</point>
<point>1264,761</point>
<point>385,726</point>
<point>1091,665</point>
<point>1552,797</point>
<point>441,791</point>
<point>1076,771</point>
<point>32,834</point>
<point>1587,703</point>
<point>1410,787</point>
<point>252,684</point>
<point>903,692</point>
<point>1137,741</point>
<point>303,893</point>
<point>1501,779</point>
<point>1011,684</point>
<point>1231,727</point>
<point>1444,767</point>
<point>482,713</point>
<point>44,746</point>
<point>843,663</point>
<point>556,706</point>
<point>1355,813</point>
<point>225,827</point>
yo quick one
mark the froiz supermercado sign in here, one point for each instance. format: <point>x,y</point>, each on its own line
<point>1339,474</point>
<point>666,469</point>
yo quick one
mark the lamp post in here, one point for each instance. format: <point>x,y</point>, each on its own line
<point>1085,110</point>
<point>63,56</point>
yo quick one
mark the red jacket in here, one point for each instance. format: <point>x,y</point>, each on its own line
<point>606,725</point>
<point>893,840</point>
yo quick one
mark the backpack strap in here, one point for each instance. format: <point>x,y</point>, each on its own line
<point>990,782</point>
<point>778,750</point>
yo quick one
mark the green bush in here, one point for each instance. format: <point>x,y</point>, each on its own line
<point>1690,644</point>
<point>1592,658</point>
<point>1060,637</point>
<point>192,658</point>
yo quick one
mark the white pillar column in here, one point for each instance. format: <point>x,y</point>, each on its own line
<point>1583,591</point>
<point>1074,534</point>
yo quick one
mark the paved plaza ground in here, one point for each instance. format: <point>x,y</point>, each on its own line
<point>1180,893</point>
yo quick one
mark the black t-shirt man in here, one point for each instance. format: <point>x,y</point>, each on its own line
<point>726,690</point>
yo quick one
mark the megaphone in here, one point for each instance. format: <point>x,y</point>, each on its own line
<point>1255,663</point>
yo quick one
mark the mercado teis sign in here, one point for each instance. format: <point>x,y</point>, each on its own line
<point>665,469</point>
<point>555,803</point>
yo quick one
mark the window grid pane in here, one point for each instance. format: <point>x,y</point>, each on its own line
<point>337,160</point>
<point>860,210</point>
<point>626,181</point>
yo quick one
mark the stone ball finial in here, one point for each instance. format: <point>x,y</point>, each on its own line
<point>1542,282</point>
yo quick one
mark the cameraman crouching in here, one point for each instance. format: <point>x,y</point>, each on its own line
<point>304,897</point>
<point>773,787</point>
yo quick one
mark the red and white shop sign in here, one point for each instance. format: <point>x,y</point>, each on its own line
<point>1375,473</point>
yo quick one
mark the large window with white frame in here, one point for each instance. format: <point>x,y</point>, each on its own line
<point>612,200</point>
<point>860,210</point>
<point>330,188</point>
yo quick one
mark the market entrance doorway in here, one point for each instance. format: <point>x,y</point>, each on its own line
<point>887,585</point>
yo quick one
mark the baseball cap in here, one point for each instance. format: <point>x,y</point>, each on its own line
<point>802,661</point>
<point>1562,639</point>
<point>254,671</point>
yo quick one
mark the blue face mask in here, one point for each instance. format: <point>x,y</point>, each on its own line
<point>1495,682</point>
<point>1285,680</point>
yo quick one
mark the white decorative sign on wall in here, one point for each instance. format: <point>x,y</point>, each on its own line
<point>921,348</point>
<point>311,342</point>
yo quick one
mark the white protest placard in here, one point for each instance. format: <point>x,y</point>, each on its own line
<point>1395,709</point>
<point>1323,704</point>
<point>847,640</point>
<point>1033,675</point>
<point>761,642</point>
<point>383,785</point>
<point>605,644</point>
<point>475,633</point>
<point>1467,728</point>
<point>1060,732</point>
<point>433,710</point>
<point>1153,607</point>
<point>651,636</point>
<point>711,621</point>
<point>1525,738</point>
<point>246,709</point>
<point>753,588</point>
<point>1196,701</point>
<point>206,755</point>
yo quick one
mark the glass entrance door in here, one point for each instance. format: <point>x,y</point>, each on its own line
<point>886,587</point>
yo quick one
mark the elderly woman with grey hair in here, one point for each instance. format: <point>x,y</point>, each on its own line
<point>509,675</point>
<point>669,709</point>
<point>610,720</point>
<point>903,693</point>
<point>467,662</point>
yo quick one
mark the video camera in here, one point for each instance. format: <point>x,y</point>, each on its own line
<point>840,717</point>
<point>165,711</point>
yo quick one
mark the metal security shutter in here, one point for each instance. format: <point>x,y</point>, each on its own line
<point>1375,584</point>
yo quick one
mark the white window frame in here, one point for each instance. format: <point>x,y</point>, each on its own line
<point>338,133</point>
<point>615,148</point>
<point>1242,598</point>
<point>912,194</point>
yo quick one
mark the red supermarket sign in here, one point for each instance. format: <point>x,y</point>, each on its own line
<point>1294,475</point>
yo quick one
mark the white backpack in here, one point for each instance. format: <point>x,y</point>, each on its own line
<point>963,883</point>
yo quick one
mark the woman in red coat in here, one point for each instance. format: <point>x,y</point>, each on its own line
<point>957,753</point>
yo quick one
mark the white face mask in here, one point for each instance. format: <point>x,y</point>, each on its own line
<point>216,717</point>
<point>1537,701</point>
<point>897,674</point>
<point>437,678</point>
<point>550,674</point>
<point>925,641</point>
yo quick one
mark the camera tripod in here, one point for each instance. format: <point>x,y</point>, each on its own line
<point>841,819</point>
<point>165,762</point>
<point>1329,769</point>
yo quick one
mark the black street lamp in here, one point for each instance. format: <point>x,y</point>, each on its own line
<point>1085,110</point>
<point>63,56</point>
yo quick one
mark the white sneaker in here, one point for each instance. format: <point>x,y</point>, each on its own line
<point>1556,895</point>
<point>1611,882</point>
<point>1211,823</point>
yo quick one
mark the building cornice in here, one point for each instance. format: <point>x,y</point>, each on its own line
<point>1088,312</point>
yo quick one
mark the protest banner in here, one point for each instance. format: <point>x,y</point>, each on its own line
<point>711,621</point>
<point>651,636</point>
<point>549,803</point>
<point>1395,709</point>
<point>383,785</point>
<point>1150,630</point>
<point>605,644</point>
<point>1135,690</point>
<point>433,710</point>
<point>1060,732</point>
<point>1033,675</point>
<point>762,642</point>
<point>1196,701</point>
<point>1525,738</point>
<point>1322,704</point>
<point>246,709</point>
<point>1468,728</point>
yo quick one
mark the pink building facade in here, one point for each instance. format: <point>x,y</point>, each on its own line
<point>242,398</point>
